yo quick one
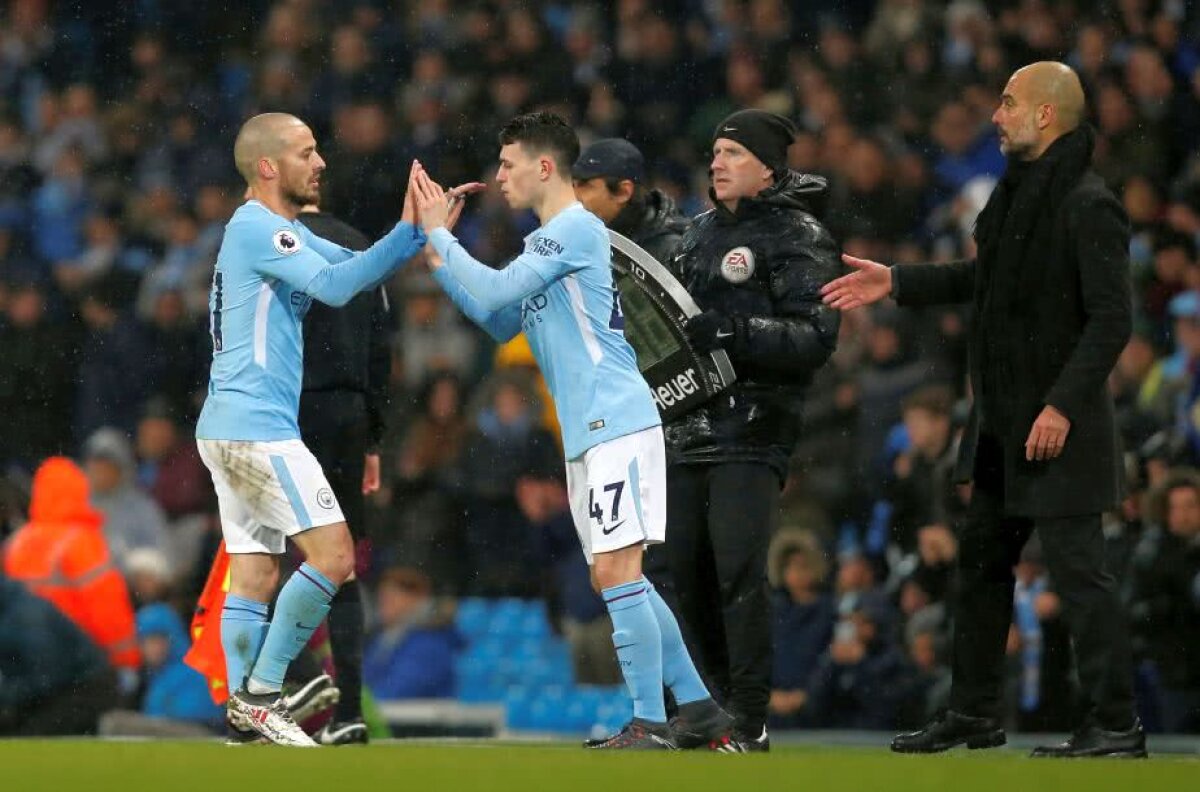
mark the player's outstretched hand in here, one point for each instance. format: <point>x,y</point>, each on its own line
<point>457,199</point>
<point>408,214</point>
<point>869,283</point>
<point>431,202</point>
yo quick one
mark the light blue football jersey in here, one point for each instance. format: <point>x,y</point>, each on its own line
<point>268,272</point>
<point>560,292</point>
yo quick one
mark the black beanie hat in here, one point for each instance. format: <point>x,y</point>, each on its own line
<point>766,135</point>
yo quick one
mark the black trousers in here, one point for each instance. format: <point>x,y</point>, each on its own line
<point>720,519</point>
<point>334,427</point>
<point>990,545</point>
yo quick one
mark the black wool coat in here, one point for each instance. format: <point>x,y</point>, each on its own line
<point>1058,341</point>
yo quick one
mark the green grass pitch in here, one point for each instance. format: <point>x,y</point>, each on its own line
<point>27,765</point>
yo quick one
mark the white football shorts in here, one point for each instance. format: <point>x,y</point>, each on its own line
<point>618,492</point>
<point>267,491</point>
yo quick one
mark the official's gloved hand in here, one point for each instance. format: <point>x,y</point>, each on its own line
<point>710,330</point>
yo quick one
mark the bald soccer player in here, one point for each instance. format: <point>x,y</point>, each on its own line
<point>269,485</point>
<point>1050,290</point>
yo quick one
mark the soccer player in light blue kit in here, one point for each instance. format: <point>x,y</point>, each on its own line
<point>269,486</point>
<point>560,293</point>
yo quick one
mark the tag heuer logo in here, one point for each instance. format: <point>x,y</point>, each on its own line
<point>286,242</point>
<point>737,265</point>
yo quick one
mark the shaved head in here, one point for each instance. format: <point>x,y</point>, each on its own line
<point>1057,84</point>
<point>262,136</point>
<point>277,156</point>
<point>1042,102</point>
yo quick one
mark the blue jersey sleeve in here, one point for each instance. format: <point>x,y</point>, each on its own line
<point>284,254</point>
<point>330,251</point>
<point>502,325</point>
<point>546,259</point>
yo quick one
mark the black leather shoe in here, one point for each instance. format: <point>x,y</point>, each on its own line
<point>948,730</point>
<point>1091,740</point>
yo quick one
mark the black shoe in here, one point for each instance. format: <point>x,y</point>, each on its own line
<point>948,730</point>
<point>313,697</point>
<point>352,732</point>
<point>700,723</point>
<point>638,735</point>
<point>741,742</point>
<point>1091,740</point>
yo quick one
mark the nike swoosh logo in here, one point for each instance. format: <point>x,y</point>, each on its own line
<point>607,531</point>
<point>300,626</point>
<point>623,646</point>
<point>723,334</point>
<point>729,129</point>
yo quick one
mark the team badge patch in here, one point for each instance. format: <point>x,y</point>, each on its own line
<point>737,265</point>
<point>286,242</point>
<point>325,498</point>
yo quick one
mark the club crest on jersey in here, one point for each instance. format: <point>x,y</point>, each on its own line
<point>737,265</point>
<point>286,242</point>
<point>325,498</point>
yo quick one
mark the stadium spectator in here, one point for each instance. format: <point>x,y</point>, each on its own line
<point>62,556</point>
<point>803,622</point>
<point>132,520</point>
<point>411,652</point>
<point>168,464</point>
<point>1166,599</point>
<point>56,681</point>
<point>37,373</point>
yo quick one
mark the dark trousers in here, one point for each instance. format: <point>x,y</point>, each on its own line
<point>990,545</point>
<point>720,519</point>
<point>334,427</point>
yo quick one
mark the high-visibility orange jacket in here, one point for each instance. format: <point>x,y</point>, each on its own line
<point>61,555</point>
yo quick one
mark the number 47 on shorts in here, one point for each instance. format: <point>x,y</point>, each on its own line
<point>596,510</point>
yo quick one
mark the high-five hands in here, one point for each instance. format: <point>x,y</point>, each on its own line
<point>870,283</point>
<point>435,207</point>
<point>422,187</point>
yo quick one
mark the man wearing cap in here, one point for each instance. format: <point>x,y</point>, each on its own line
<point>610,183</point>
<point>755,265</point>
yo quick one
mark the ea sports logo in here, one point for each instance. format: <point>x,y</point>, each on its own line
<point>737,265</point>
<point>325,498</point>
<point>286,242</point>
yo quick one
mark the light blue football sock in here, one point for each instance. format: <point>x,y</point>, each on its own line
<point>301,607</point>
<point>243,627</point>
<point>639,647</point>
<point>678,670</point>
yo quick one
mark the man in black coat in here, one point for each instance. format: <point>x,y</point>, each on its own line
<point>1050,289</point>
<point>343,416</point>
<point>755,264</point>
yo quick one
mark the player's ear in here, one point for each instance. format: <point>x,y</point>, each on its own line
<point>545,168</point>
<point>267,169</point>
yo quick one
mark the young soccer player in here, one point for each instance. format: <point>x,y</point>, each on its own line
<point>560,293</point>
<point>269,486</point>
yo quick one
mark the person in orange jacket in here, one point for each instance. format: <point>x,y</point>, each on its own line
<point>61,555</point>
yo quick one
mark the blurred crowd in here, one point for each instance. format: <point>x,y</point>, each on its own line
<point>116,178</point>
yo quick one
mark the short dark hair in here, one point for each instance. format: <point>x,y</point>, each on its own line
<point>934,399</point>
<point>544,133</point>
<point>637,200</point>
